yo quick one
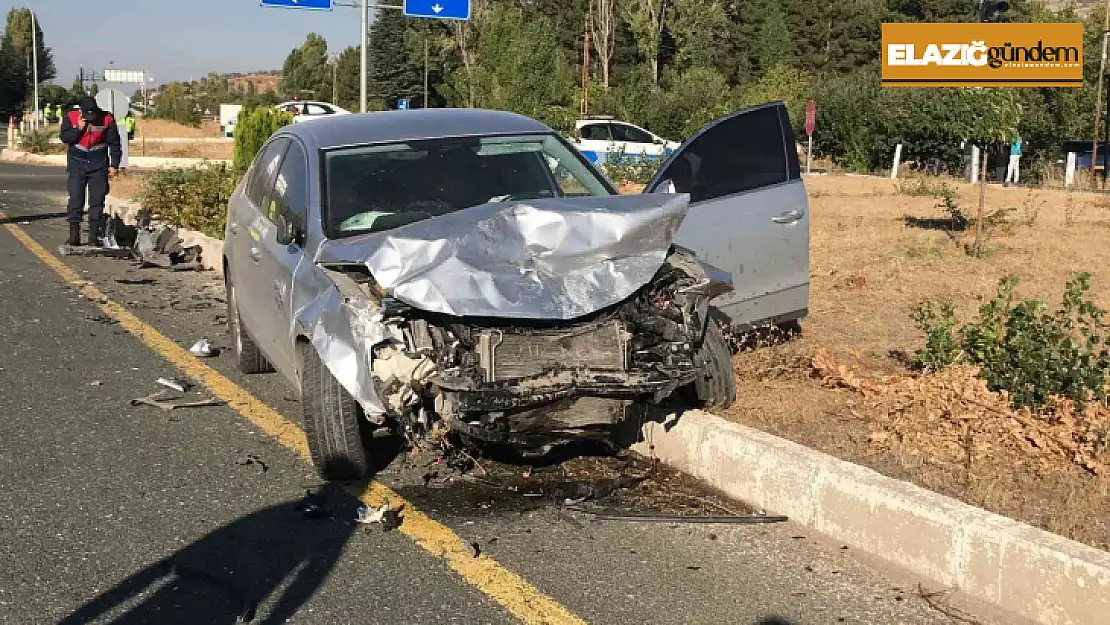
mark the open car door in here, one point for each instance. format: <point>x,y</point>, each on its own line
<point>749,214</point>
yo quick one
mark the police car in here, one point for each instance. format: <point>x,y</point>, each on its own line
<point>602,136</point>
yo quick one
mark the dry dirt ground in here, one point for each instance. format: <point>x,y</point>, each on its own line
<point>844,386</point>
<point>157,128</point>
<point>201,149</point>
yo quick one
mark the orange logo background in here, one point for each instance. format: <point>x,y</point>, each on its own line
<point>983,55</point>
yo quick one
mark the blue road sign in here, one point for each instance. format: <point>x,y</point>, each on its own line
<point>403,104</point>
<point>317,5</point>
<point>438,9</point>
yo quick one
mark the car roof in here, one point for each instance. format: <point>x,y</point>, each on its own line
<point>416,124</point>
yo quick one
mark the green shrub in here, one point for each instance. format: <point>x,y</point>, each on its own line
<point>194,198</point>
<point>38,142</point>
<point>252,130</point>
<point>1022,347</point>
<point>621,167</point>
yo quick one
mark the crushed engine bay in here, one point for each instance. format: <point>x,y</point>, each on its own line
<point>515,323</point>
<point>530,383</point>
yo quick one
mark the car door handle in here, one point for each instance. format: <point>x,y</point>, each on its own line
<point>788,217</point>
<point>256,254</point>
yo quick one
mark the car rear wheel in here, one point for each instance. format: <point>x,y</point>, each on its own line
<point>247,354</point>
<point>331,421</point>
<point>716,381</point>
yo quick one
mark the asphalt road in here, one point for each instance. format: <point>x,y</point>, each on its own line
<point>127,514</point>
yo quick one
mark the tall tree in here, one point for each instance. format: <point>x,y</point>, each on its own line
<point>647,19</point>
<point>346,74</point>
<point>306,69</point>
<point>701,31</point>
<point>773,44</point>
<point>602,22</point>
<point>17,32</point>
<point>392,74</point>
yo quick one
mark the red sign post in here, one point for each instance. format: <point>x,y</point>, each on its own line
<point>811,122</point>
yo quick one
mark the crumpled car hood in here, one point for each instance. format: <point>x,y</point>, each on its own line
<point>555,259</point>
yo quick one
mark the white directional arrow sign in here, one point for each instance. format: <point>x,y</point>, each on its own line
<point>438,9</point>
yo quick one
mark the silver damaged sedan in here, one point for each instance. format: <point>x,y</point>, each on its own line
<point>419,273</point>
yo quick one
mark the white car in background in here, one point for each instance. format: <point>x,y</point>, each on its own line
<point>229,129</point>
<point>309,109</point>
<point>598,137</point>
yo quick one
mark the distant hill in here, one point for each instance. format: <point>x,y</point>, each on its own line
<point>263,81</point>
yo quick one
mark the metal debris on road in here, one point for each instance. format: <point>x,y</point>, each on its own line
<point>635,517</point>
<point>203,349</point>
<point>160,400</point>
<point>383,515</point>
<point>312,506</point>
<point>181,386</point>
<point>253,459</point>
<point>96,383</point>
<point>85,250</point>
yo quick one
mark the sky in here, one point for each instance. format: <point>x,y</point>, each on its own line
<point>179,39</point>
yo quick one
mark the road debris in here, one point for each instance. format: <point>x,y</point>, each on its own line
<point>161,247</point>
<point>96,383</point>
<point>474,548</point>
<point>253,459</point>
<point>181,386</point>
<point>203,349</point>
<point>313,506</point>
<point>383,515</point>
<point>86,250</point>
<point>160,400</point>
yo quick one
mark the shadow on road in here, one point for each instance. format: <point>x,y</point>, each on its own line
<point>38,217</point>
<point>279,556</point>
<point>775,620</point>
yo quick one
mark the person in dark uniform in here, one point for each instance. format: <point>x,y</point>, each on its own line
<point>95,151</point>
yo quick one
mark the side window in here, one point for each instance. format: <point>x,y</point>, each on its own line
<point>290,194</point>
<point>264,169</point>
<point>631,134</point>
<point>737,154</point>
<point>316,109</point>
<point>596,132</point>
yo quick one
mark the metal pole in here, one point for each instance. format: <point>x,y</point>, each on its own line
<point>1098,98</point>
<point>809,155</point>
<point>362,45</point>
<point>425,70</point>
<point>35,68</point>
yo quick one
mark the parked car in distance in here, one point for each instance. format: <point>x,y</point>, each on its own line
<point>305,110</point>
<point>598,137</point>
<point>411,272</point>
<point>229,128</point>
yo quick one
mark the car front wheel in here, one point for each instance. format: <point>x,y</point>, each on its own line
<point>716,381</point>
<point>331,421</point>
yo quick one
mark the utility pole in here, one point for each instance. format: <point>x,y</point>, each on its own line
<point>1098,97</point>
<point>425,70</point>
<point>35,66</point>
<point>363,33</point>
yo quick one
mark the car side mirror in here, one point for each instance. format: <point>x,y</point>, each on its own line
<point>287,231</point>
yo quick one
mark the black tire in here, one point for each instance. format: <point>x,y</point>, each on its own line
<point>332,421</point>
<point>247,354</point>
<point>716,382</point>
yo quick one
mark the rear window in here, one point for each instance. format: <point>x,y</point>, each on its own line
<point>379,187</point>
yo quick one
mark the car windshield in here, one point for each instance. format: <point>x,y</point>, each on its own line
<point>379,187</point>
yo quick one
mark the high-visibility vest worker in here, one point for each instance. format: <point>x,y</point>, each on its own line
<point>129,124</point>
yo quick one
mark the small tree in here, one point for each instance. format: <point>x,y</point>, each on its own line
<point>252,130</point>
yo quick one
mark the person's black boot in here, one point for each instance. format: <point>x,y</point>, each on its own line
<point>95,237</point>
<point>74,235</point>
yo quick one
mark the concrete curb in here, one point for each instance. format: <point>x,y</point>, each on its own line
<point>991,558</point>
<point>211,250</point>
<point>135,162</point>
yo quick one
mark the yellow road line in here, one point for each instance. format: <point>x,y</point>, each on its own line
<point>512,591</point>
